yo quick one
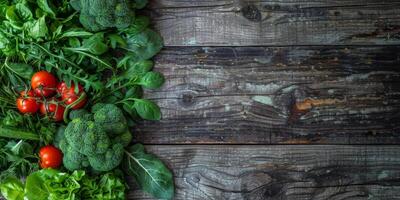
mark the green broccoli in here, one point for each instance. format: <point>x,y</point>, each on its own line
<point>94,141</point>
<point>108,160</point>
<point>97,15</point>
<point>82,113</point>
<point>111,118</point>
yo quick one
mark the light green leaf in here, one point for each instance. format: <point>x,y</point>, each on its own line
<point>149,172</point>
<point>44,5</point>
<point>76,33</point>
<point>35,188</point>
<point>12,189</point>
<point>39,28</point>
<point>147,109</point>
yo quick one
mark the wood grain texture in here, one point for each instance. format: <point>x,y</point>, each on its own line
<point>326,95</point>
<point>294,172</point>
<point>285,22</point>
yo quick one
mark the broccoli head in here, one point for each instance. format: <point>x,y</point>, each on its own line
<point>109,160</point>
<point>111,118</point>
<point>94,141</point>
<point>87,137</point>
<point>97,15</point>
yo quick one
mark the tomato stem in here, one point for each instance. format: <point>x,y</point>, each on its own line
<point>67,108</point>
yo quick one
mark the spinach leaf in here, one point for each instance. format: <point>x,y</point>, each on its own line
<point>95,44</point>
<point>145,44</point>
<point>139,68</point>
<point>149,172</point>
<point>152,80</point>
<point>76,33</point>
<point>147,109</point>
<point>12,188</point>
<point>44,5</point>
<point>39,28</point>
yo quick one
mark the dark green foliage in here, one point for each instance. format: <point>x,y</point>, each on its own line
<point>95,141</point>
<point>97,15</point>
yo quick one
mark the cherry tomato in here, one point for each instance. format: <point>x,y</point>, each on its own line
<point>27,105</point>
<point>53,109</point>
<point>50,157</point>
<point>44,83</point>
<point>69,95</point>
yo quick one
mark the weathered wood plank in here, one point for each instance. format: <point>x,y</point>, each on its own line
<point>285,22</point>
<point>336,95</point>
<point>298,172</point>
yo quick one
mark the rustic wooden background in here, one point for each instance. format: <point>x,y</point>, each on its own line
<point>278,99</point>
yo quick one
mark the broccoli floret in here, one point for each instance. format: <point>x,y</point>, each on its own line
<point>109,160</point>
<point>87,137</point>
<point>95,141</point>
<point>111,118</point>
<point>73,160</point>
<point>124,139</point>
<point>100,14</point>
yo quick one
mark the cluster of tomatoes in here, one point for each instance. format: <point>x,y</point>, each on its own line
<point>50,97</point>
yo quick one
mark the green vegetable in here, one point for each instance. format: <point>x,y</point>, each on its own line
<point>97,15</point>
<point>96,142</point>
<point>50,184</point>
<point>149,172</point>
<point>12,188</point>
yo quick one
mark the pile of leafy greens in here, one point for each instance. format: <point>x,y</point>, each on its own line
<point>103,46</point>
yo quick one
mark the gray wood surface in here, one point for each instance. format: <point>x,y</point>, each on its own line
<point>293,172</point>
<point>269,95</point>
<point>284,22</point>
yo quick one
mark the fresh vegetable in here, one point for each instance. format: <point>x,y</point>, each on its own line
<point>71,94</point>
<point>53,109</point>
<point>95,141</point>
<point>50,157</point>
<point>27,105</point>
<point>149,172</point>
<point>52,184</point>
<point>100,51</point>
<point>44,83</point>
<point>99,15</point>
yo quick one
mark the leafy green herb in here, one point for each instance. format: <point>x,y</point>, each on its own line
<point>12,188</point>
<point>149,172</point>
<point>147,109</point>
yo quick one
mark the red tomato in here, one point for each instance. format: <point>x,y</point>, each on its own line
<point>69,95</point>
<point>50,157</point>
<point>44,83</point>
<point>27,105</point>
<point>53,109</point>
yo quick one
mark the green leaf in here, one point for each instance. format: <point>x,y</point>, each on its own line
<point>95,44</point>
<point>140,24</point>
<point>139,4</point>
<point>21,69</point>
<point>12,189</point>
<point>115,40</point>
<point>35,188</point>
<point>152,80</point>
<point>144,45</point>
<point>44,5</point>
<point>23,12</point>
<point>149,172</point>
<point>138,68</point>
<point>147,109</point>
<point>39,28</point>
<point>76,33</point>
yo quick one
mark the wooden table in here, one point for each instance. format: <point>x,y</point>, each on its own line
<point>288,99</point>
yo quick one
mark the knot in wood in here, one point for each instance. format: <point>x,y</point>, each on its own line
<point>187,99</point>
<point>252,13</point>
